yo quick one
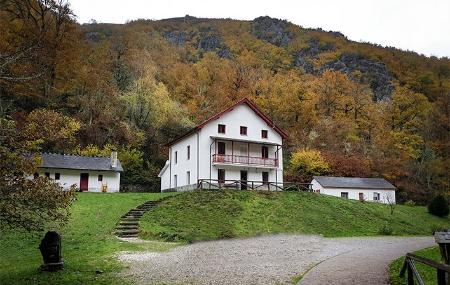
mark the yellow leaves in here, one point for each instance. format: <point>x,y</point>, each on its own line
<point>408,144</point>
<point>310,162</point>
<point>408,109</point>
<point>49,129</point>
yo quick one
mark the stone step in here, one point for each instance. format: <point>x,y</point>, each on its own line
<point>130,219</point>
<point>128,223</point>
<point>132,216</point>
<point>127,227</point>
<point>127,231</point>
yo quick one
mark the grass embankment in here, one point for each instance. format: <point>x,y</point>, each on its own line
<point>207,215</point>
<point>88,244</point>
<point>427,273</point>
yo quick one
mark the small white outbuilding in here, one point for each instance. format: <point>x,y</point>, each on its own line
<point>87,173</point>
<point>363,189</point>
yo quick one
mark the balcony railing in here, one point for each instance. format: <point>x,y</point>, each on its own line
<point>244,159</point>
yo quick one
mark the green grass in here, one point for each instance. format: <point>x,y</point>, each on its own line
<point>88,244</point>
<point>427,273</point>
<point>208,215</point>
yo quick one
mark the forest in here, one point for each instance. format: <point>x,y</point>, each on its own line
<point>350,108</point>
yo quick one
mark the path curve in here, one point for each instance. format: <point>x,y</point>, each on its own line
<point>273,259</point>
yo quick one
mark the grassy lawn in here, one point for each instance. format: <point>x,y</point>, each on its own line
<point>207,215</point>
<point>428,273</point>
<point>88,244</point>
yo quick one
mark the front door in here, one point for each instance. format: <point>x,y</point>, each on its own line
<point>243,180</point>
<point>84,181</point>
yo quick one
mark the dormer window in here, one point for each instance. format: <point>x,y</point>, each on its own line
<point>243,131</point>
<point>221,129</point>
<point>264,134</point>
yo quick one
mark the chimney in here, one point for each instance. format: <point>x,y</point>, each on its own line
<point>114,159</point>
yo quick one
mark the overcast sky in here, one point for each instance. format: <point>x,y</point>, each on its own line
<point>419,25</point>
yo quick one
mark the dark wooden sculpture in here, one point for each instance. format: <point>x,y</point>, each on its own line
<point>50,248</point>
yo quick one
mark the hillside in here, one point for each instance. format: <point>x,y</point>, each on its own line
<point>87,242</point>
<point>207,215</point>
<point>87,89</point>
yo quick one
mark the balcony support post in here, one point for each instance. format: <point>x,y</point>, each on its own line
<point>248,153</point>
<point>232,151</point>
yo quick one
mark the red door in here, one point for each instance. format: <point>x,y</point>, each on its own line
<point>84,181</point>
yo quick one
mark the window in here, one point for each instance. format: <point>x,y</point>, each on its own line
<point>100,177</point>
<point>376,196</point>
<point>265,178</point>
<point>264,152</point>
<point>221,175</point>
<point>344,195</point>
<point>175,182</point>
<point>188,178</point>
<point>243,130</point>
<point>264,134</point>
<point>47,174</point>
<point>176,157</point>
<point>220,148</point>
<point>188,152</point>
<point>361,197</point>
<point>221,129</point>
<point>57,176</point>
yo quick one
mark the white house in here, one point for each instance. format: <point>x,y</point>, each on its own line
<point>239,147</point>
<point>93,174</point>
<point>363,189</point>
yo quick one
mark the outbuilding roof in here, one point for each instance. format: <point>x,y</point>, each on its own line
<point>353,182</point>
<point>67,161</point>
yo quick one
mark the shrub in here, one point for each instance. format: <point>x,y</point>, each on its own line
<point>385,230</point>
<point>410,203</point>
<point>438,206</point>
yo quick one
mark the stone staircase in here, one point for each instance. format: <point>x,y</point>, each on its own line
<point>128,225</point>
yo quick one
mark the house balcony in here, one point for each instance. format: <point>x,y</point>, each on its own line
<point>240,160</point>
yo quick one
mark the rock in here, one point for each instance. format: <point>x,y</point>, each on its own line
<point>209,41</point>
<point>373,73</point>
<point>304,56</point>
<point>175,37</point>
<point>271,30</point>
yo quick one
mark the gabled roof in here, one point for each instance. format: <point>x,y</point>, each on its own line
<point>353,182</point>
<point>244,101</point>
<point>164,169</point>
<point>65,161</point>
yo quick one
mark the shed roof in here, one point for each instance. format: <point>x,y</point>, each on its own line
<point>353,182</point>
<point>67,161</point>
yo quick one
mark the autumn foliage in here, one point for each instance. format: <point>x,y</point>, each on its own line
<point>368,111</point>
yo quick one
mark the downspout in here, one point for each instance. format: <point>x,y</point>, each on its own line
<point>210,162</point>
<point>198,159</point>
<point>170,167</point>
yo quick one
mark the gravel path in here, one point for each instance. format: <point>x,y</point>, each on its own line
<point>273,260</point>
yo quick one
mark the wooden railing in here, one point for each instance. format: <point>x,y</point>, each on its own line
<point>413,275</point>
<point>244,159</point>
<point>252,185</point>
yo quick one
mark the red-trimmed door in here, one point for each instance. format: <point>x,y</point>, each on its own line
<point>84,181</point>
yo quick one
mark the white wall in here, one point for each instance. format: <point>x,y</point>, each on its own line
<point>354,193</point>
<point>183,164</point>
<point>68,177</point>
<point>241,115</point>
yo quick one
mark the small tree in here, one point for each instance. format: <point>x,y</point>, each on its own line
<point>25,203</point>
<point>391,201</point>
<point>438,206</point>
<point>306,163</point>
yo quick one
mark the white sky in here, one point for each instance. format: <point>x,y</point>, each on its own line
<point>419,25</point>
